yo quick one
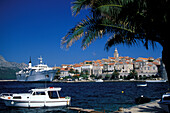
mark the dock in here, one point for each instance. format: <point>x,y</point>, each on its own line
<point>151,107</point>
<point>81,110</point>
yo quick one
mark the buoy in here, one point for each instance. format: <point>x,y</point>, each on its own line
<point>122,91</point>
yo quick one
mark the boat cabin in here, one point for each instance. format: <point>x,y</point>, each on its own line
<point>51,92</point>
<point>166,97</point>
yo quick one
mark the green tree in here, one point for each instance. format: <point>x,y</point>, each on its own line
<point>115,75</point>
<point>92,76</point>
<point>124,21</point>
<point>133,75</point>
<point>71,71</point>
<point>76,72</point>
<point>86,72</point>
<point>57,75</point>
<point>107,77</point>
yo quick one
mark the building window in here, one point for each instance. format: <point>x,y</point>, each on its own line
<point>153,68</point>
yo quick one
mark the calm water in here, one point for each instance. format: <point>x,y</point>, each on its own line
<point>99,96</point>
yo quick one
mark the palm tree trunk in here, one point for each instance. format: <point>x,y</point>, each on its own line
<point>166,60</point>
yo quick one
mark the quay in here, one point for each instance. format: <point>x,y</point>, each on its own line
<point>151,107</point>
<point>81,110</point>
<point>7,80</point>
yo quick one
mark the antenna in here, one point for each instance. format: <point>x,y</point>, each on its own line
<point>30,60</point>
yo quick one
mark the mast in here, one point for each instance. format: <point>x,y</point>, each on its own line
<point>40,59</point>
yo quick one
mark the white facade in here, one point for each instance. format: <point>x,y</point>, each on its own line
<point>124,65</point>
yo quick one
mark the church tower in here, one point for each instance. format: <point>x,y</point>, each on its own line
<point>116,54</point>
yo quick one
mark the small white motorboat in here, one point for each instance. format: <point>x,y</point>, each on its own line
<point>165,102</point>
<point>40,97</point>
<point>142,85</point>
<point>99,80</point>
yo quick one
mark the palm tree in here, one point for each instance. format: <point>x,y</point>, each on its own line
<point>124,21</point>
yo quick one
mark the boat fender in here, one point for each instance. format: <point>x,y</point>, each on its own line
<point>67,102</point>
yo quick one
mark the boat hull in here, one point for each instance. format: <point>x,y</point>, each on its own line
<point>37,76</point>
<point>26,103</point>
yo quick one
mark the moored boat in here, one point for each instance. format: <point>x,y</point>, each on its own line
<point>40,72</point>
<point>40,97</point>
<point>165,102</point>
<point>142,85</point>
<point>99,80</point>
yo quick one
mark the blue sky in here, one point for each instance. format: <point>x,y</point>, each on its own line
<point>35,28</point>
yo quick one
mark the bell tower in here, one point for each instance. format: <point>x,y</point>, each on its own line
<point>116,54</point>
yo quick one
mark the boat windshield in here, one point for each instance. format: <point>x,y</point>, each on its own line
<point>53,94</point>
<point>38,93</point>
<point>166,98</point>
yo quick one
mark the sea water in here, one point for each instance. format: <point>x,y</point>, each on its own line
<point>108,96</point>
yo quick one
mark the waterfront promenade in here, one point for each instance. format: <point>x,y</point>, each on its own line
<point>151,107</point>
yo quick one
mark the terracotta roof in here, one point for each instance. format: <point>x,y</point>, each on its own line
<point>138,61</point>
<point>66,69</point>
<point>111,63</point>
<point>156,63</point>
<point>87,61</point>
<point>112,57</point>
<point>56,67</point>
<point>144,58</point>
<point>158,59</point>
<point>132,58</point>
<point>149,65</point>
<point>106,60</point>
<point>77,65</point>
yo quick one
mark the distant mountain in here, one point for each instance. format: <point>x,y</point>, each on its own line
<point>8,69</point>
<point>4,63</point>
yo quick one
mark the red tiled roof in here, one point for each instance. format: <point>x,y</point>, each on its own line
<point>138,60</point>
<point>111,63</point>
<point>156,63</point>
<point>112,57</point>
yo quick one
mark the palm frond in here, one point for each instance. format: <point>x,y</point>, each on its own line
<point>79,5</point>
<point>119,38</point>
<point>87,29</point>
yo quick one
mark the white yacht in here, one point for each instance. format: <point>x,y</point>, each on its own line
<point>41,97</point>
<point>40,72</point>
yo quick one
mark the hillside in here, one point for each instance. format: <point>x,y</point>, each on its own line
<point>8,69</point>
